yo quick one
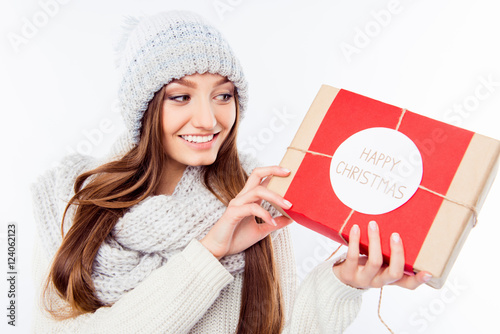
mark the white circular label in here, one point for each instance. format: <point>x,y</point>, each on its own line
<point>376,170</point>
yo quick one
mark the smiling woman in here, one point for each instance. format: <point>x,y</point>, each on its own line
<point>173,231</point>
<point>199,112</point>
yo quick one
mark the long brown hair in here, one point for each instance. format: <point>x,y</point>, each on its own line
<point>118,185</point>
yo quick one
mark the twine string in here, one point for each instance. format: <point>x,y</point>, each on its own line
<point>334,252</point>
<point>310,152</point>
<point>345,223</point>
<point>379,316</point>
<point>467,206</point>
<point>475,213</point>
<point>403,111</point>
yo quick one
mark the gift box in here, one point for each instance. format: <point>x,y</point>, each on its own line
<point>355,159</point>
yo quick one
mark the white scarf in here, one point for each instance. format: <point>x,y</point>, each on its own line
<point>153,231</point>
<point>146,236</point>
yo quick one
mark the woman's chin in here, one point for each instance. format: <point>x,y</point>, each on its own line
<point>201,161</point>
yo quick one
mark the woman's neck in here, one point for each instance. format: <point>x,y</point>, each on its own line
<point>172,174</point>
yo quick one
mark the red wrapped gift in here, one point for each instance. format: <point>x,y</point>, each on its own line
<point>355,159</point>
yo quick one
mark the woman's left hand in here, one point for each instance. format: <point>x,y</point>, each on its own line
<point>237,229</point>
<point>364,272</point>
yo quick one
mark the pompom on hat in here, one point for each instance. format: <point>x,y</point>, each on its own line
<point>159,48</point>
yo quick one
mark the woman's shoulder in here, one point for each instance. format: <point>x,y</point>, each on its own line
<point>58,180</point>
<point>64,172</point>
<point>50,193</point>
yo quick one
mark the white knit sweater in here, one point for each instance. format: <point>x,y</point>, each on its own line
<point>191,292</point>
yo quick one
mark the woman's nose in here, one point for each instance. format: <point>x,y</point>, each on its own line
<point>204,116</point>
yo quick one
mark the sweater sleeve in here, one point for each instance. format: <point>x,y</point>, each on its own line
<point>322,304</point>
<point>170,300</point>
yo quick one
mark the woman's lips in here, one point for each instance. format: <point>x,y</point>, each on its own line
<point>200,141</point>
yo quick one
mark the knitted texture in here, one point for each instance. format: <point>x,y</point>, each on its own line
<point>172,288</point>
<point>156,49</point>
<point>153,231</point>
<point>147,235</point>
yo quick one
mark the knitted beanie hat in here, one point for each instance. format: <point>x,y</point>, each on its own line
<point>157,49</point>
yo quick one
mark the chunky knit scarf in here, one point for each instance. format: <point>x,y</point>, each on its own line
<point>145,237</point>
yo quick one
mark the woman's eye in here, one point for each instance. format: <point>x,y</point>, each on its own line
<point>224,97</point>
<point>179,98</point>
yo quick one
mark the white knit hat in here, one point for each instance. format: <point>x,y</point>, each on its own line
<point>157,49</point>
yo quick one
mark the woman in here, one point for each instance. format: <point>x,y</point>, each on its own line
<point>167,233</point>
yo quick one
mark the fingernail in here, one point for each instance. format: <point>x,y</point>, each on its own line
<point>355,229</point>
<point>395,237</point>
<point>287,203</point>
<point>373,225</point>
<point>285,170</point>
<point>427,277</point>
<point>274,222</point>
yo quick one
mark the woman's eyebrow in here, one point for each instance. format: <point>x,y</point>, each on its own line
<point>221,81</point>
<point>185,82</point>
<point>192,84</point>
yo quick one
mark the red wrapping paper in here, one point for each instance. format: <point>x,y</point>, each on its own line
<point>315,205</point>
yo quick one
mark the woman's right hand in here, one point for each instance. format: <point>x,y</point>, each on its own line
<point>237,229</point>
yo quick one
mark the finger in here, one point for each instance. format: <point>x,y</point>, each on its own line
<point>395,270</point>
<point>413,281</point>
<point>281,222</point>
<point>375,259</point>
<point>265,182</point>
<point>260,193</point>
<point>267,179</point>
<point>235,214</point>
<point>256,210</point>
<point>287,203</point>
<point>352,257</point>
<point>259,173</point>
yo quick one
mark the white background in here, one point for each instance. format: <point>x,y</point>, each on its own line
<point>58,86</point>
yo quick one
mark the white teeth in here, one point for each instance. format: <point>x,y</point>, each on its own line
<point>198,139</point>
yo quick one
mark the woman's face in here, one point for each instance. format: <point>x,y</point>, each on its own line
<point>199,110</point>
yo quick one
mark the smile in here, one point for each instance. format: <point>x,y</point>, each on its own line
<point>198,139</point>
